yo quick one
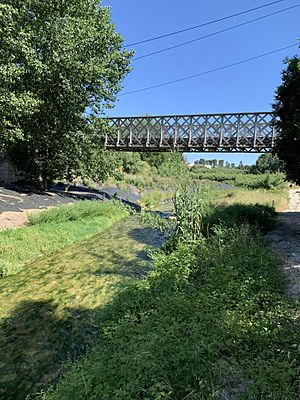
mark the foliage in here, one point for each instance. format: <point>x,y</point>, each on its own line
<point>61,66</point>
<point>287,111</point>
<point>188,206</point>
<point>259,215</point>
<point>153,199</point>
<point>154,159</point>
<point>267,163</point>
<point>52,230</point>
<point>131,163</point>
<point>170,164</point>
<point>262,181</point>
<point>237,177</point>
<point>173,166</point>
<point>94,163</point>
<point>209,322</point>
<point>72,212</point>
<point>155,221</point>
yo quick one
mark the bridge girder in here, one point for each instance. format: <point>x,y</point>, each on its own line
<point>238,132</point>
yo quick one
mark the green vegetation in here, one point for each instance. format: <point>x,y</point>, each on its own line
<point>52,230</point>
<point>58,60</point>
<point>287,111</point>
<point>211,320</point>
<point>80,307</point>
<point>240,178</point>
<point>148,179</point>
<point>47,311</point>
<point>267,163</point>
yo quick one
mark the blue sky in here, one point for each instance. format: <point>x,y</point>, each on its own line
<point>247,87</point>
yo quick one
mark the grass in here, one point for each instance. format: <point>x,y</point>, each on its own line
<point>211,321</point>
<point>47,311</point>
<point>52,230</point>
<point>153,200</point>
<point>211,194</point>
<point>240,178</point>
<point>278,198</point>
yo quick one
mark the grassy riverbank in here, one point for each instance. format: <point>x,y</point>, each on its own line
<point>47,311</point>
<point>53,230</point>
<point>211,321</point>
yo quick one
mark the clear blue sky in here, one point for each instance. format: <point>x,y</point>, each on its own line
<point>247,87</point>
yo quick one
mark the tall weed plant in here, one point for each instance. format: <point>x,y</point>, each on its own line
<point>188,205</point>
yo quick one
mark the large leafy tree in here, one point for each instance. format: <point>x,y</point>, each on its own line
<point>61,65</point>
<point>287,110</point>
<point>267,163</point>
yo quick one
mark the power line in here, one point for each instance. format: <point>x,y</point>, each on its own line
<point>208,72</point>
<point>204,24</point>
<point>215,33</point>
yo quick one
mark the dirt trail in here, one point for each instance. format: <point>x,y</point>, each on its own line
<point>285,240</point>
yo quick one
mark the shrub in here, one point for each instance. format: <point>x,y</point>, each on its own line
<point>261,216</point>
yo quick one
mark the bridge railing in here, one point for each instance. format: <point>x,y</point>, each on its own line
<point>212,132</point>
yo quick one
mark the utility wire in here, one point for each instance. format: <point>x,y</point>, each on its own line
<point>215,33</point>
<point>204,24</point>
<point>209,71</point>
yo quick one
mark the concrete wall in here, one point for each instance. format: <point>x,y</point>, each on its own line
<point>8,173</point>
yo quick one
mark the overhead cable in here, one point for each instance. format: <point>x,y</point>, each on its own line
<point>204,24</point>
<point>209,71</point>
<point>215,33</point>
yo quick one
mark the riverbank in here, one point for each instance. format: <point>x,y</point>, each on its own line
<point>47,311</point>
<point>211,321</point>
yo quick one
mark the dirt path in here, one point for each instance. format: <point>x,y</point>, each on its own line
<point>50,312</point>
<point>285,240</point>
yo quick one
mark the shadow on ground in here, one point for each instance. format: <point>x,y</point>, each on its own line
<point>34,343</point>
<point>48,311</point>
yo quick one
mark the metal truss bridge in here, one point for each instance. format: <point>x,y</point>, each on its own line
<point>242,132</point>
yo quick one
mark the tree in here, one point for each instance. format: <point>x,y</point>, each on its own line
<point>267,163</point>
<point>214,163</point>
<point>61,66</point>
<point>287,111</point>
<point>221,163</point>
<point>202,161</point>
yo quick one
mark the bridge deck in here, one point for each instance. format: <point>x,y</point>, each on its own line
<point>242,132</point>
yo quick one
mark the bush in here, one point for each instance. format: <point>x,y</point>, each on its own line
<point>261,216</point>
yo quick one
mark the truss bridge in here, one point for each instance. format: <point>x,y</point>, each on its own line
<point>241,132</point>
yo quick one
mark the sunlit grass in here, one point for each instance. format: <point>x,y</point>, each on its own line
<point>52,230</point>
<point>47,310</point>
<point>278,198</point>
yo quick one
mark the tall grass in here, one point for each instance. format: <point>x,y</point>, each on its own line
<point>188,206</point>
<point>210,322</point>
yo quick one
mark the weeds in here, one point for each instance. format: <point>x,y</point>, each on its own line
<point>188,206</point>
<point>210,321</point>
